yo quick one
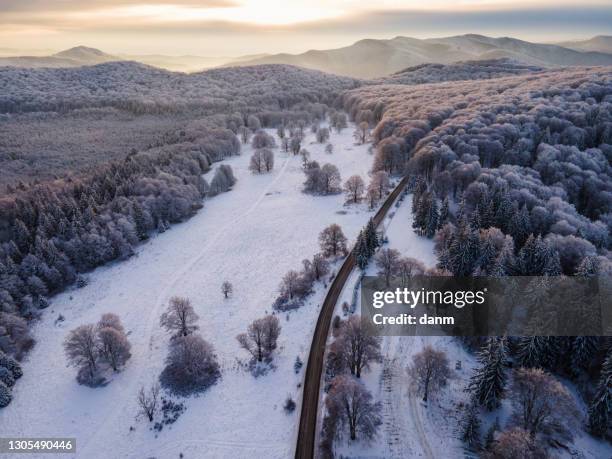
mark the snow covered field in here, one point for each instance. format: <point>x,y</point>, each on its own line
<point>250,236</point>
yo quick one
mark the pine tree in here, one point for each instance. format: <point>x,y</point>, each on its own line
<point>139,221</point>
<point>371,237</point>
<point>488,383</point>
<point>588,267</point>
<point>464,250</point>
<point>444,213</point>
<point>431,223</point>
<point>583,350</point>
<point>536,351</point>
<point>5,395</point>
<point>470,429</point>
<point>601,406</point>
<point>361,251</point>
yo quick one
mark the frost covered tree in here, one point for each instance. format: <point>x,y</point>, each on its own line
<point>536,351</point>
<point>262,139</point>
<point>356,346</point>
<point>256,163</point>
<point>113,345</point>
<point>261,337</point>
<point>148,401</point>
<point>253,123</point>
<point>81,349</point>
<point>191,365</point>
<point>514,443</point>
<point>329,148</point>
<point>295,145</point>
<point>332,241</point>
<point>5,395</point>
<point>379,185</point>
<point>268,160</point>
<point>362,132</point>
<point>470,428</point>
<point>322,135</point>
<point>227,289</point>
<point>430,370</point>
<point>222,181</point>
<point>488,383</point>
<point>8,362</point>
<point>339,121</point>
<point>542,405</point>
<point>353,407</point>
<point>387,263</point>
<point>329,179</point>
<point>600,410</point>
<point>244,133</point>
<point>180,318</point>
<point>354,187</point>
<point>463,251</point>
<point>318,267</point>
<point>409,267</point>
<point>6,377</point>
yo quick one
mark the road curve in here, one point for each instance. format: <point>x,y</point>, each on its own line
<point>306,447</point>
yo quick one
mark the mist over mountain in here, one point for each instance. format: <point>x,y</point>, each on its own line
<point>600,43</point>
<point>375,58</point>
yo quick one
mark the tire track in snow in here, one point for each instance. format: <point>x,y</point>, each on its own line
<point>161,301</point>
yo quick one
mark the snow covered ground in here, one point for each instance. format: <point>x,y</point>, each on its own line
<point>411,428</point>
<point>250,236</point>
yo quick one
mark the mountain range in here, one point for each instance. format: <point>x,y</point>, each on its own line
<point>368,58</point>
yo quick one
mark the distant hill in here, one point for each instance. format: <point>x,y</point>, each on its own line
<point>73,57</point>
<point>600,43</point>
<point>376,58</point>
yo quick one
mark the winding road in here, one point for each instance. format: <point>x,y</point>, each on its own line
<point>305,448</point>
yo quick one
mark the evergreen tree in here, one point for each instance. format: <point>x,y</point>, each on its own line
<point>464,250</point>
<point>520,224</point>
<point>488,383</point>
<point>362,252</point>
<point>5,395</point>
<point>601,406</point>
<point>588,267</point>
<point>432,218</point>
<point>371,237</point>
<point>490,436</point>
<point>470,429</point>
<point>536,351</point>
<point>582,352</point>
<point>139,221</point>
<point>444,213</point>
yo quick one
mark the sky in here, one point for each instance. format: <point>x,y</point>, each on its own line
<point>240,27</point>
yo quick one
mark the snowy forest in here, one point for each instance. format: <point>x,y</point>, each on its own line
<point>509,177</point>
<point>510,174</point>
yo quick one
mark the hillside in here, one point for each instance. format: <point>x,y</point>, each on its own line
<point>600,43</point>
<point>73,57</point>
<point>376,58</point>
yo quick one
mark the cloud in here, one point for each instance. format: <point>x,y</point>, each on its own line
<point>72,5</point>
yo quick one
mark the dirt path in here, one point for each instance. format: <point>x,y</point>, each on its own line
<point>305,447</point>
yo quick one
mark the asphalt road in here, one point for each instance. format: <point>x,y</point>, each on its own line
<point>306,447</point>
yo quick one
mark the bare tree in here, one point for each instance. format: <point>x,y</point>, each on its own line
<point>268,159</point>
<point>260,338</point>
<point>379,184</point>
<point>408,267</point>
<point>295,145</point>
<point>179,318</point>
<point>305,154</point>
<point>256,164</point>
<point>148,401</point>
<point>262,139</point>
<point>285,144</point>
<point>280,132</point>
<point>322,135</point>
<point>226,289</point>
<point>515,443</point>
<point>353,188</point>
<point>291,284</point>
<point>387,262</point>
<point>244,133</point>
<point>330,179</point>
<point>113,347</point>
<point>362,132</point>
<point>110,320</point>
<point>430,370</point>
<point>332,241</point>
<point>541,403</point>
<point>81,348</point>
<point>191,365</point>
<point>356,345</point>
<point>320,266</point>
<point>350,404</point>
